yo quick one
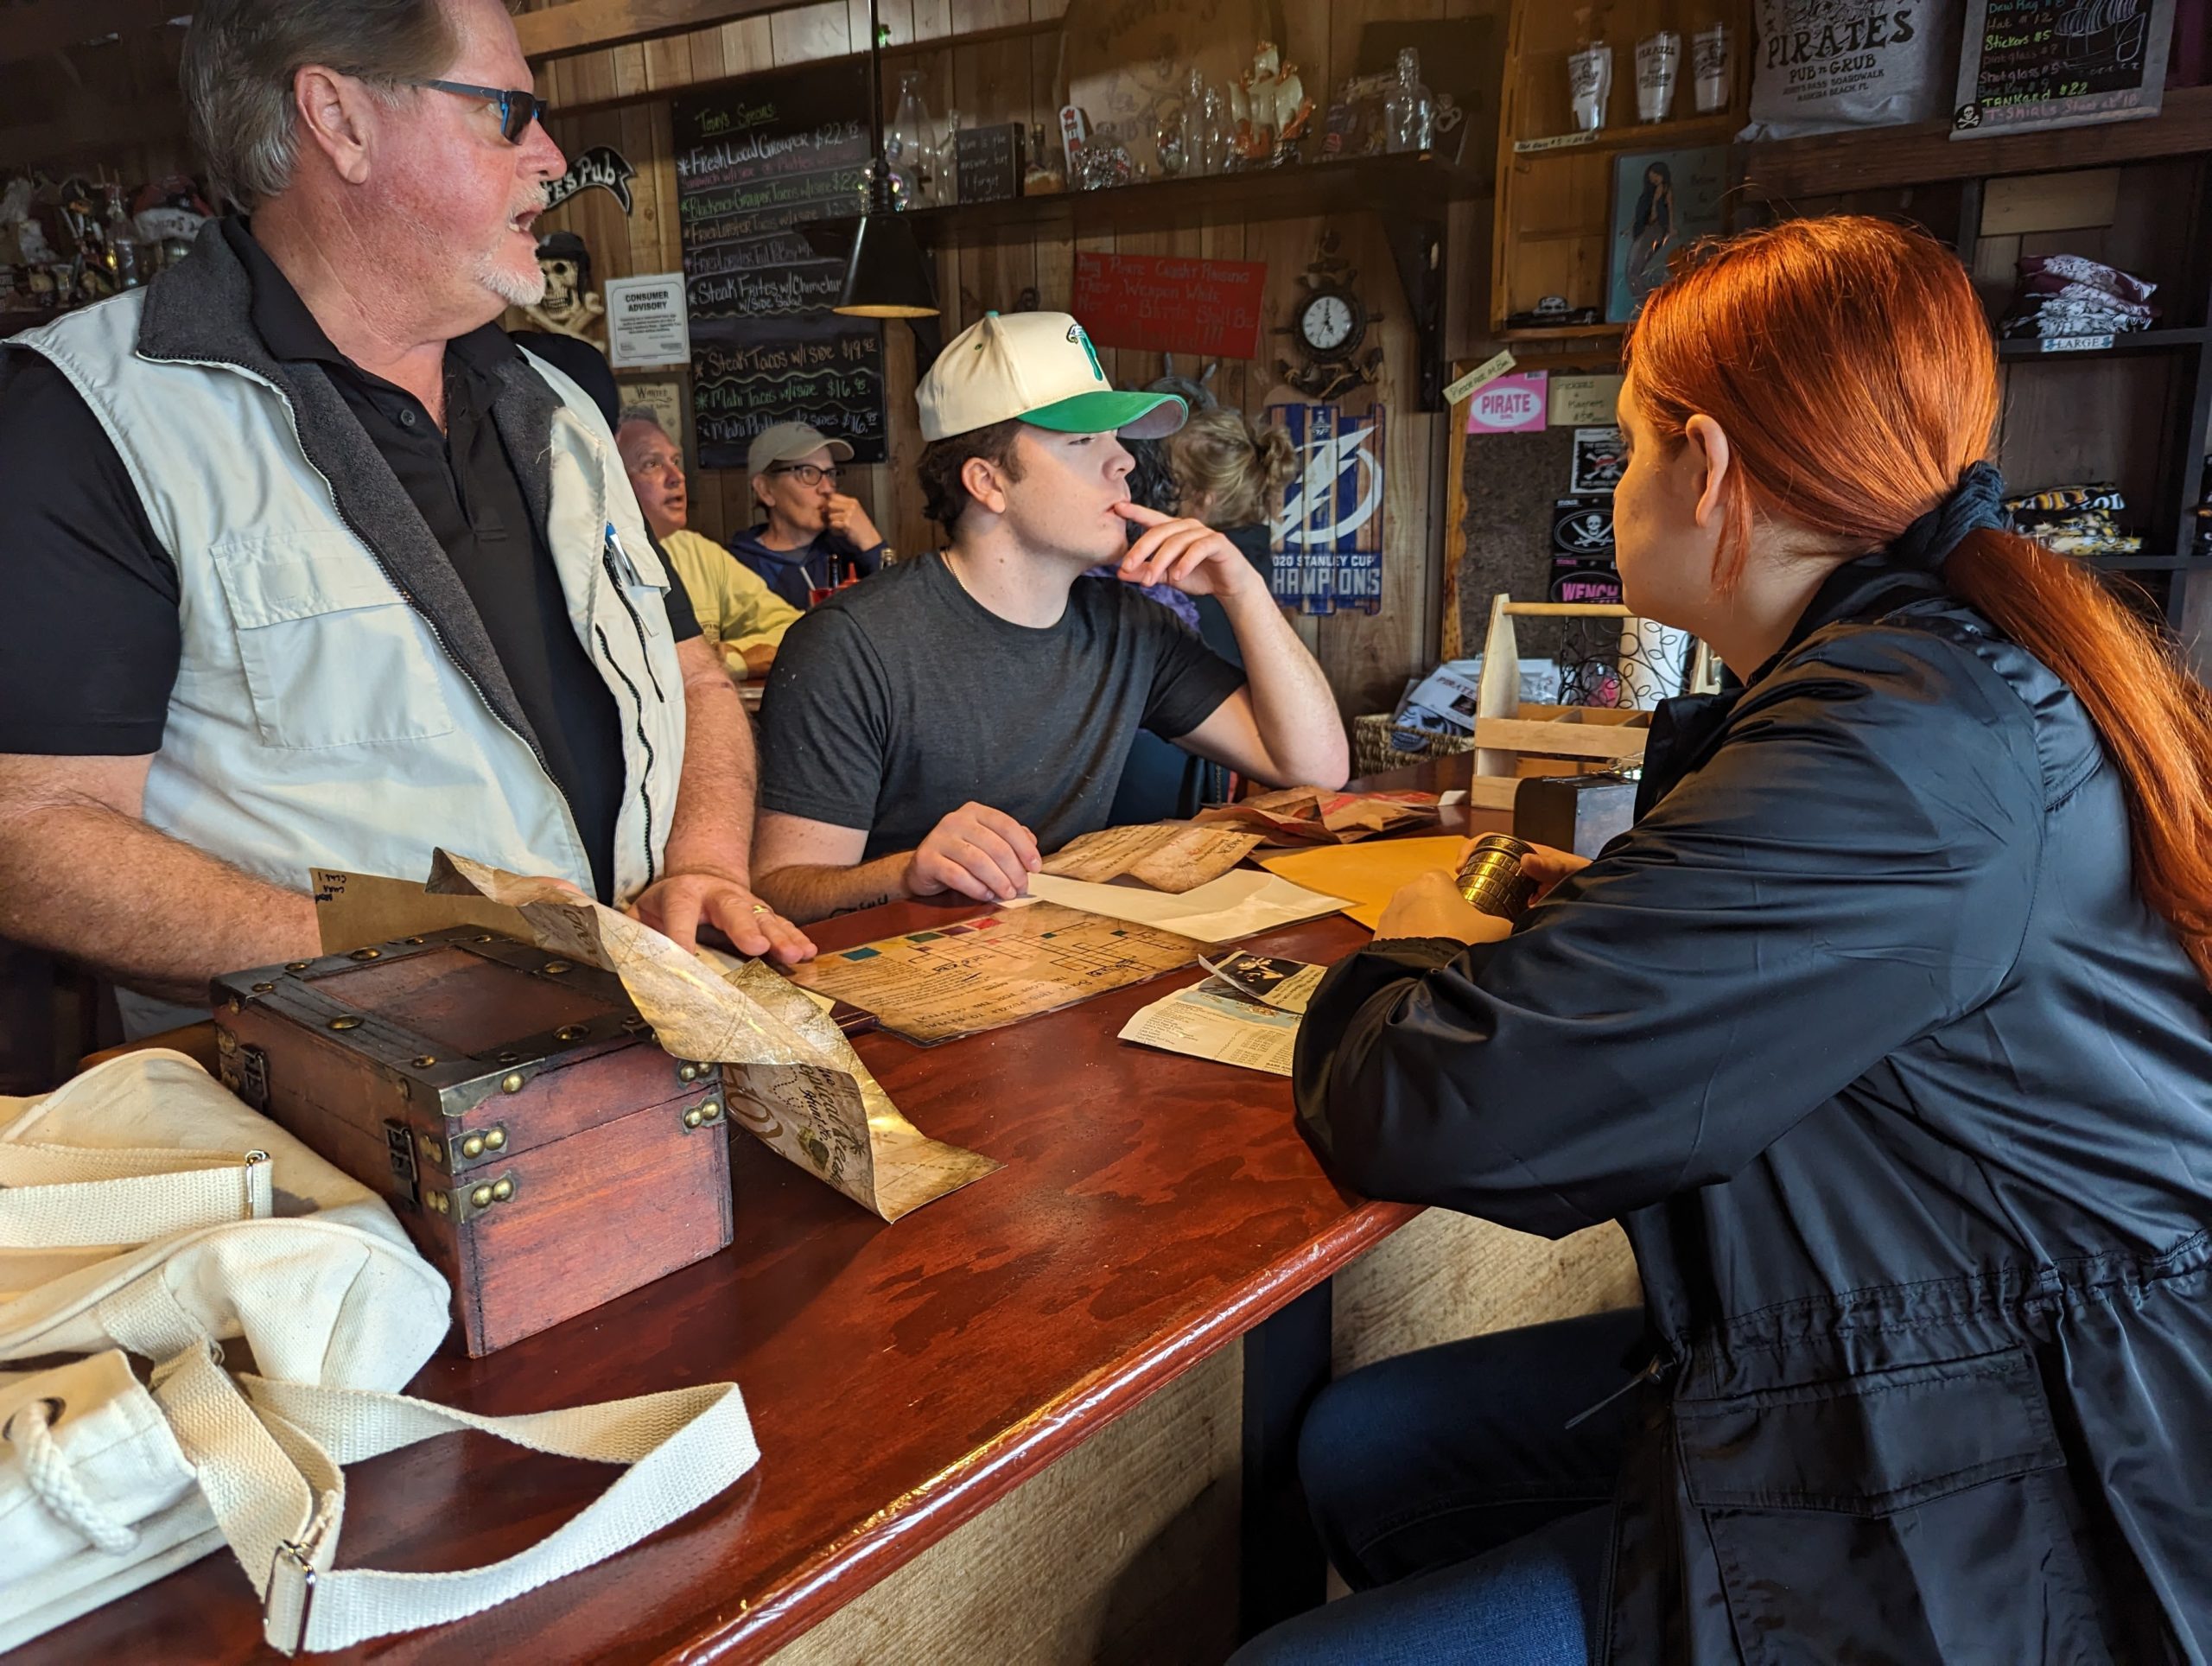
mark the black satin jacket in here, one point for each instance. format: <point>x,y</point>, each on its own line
<point>1904,1098</point>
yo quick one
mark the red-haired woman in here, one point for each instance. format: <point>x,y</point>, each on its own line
<point>1885,1033</point>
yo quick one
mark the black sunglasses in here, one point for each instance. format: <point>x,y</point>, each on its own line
<point>517,108</point>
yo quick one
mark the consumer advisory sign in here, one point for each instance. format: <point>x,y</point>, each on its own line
<point>648,325</point>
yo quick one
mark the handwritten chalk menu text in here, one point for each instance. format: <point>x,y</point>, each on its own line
<point>755,163</point>
<point>1156,304</point>
<point>2028,64</point>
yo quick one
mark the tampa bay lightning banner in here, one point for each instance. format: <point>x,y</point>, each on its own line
<point>1327,530</point>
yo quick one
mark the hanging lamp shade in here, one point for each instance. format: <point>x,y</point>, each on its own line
<point>889,275</point>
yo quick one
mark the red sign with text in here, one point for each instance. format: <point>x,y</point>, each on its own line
<point>1164,303</point>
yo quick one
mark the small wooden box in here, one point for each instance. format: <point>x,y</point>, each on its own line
<point>541,1149</point>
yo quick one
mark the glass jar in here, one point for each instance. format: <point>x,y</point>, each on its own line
<point>910,146</point>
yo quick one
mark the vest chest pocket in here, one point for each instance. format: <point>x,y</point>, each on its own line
<point>332,655</point>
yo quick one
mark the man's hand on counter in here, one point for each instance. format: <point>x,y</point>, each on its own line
<point>677,904</point>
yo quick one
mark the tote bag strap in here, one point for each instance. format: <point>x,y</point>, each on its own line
<point>54,1196</point>
<point>270,1463</point>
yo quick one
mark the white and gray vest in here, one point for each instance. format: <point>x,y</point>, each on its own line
<point>337,703</point>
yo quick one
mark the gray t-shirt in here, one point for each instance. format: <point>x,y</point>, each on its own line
<point>902,698</point>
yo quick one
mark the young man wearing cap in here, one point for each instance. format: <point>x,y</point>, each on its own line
<point>935,729</point>
<point>815,537</point>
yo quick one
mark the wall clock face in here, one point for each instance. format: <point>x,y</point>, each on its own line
<point>1330,323</point>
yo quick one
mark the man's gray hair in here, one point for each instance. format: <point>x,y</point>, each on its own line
<point>640,414</point>
<point>240,59</point>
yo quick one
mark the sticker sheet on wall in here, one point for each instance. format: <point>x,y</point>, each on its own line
<point>1327,531</point>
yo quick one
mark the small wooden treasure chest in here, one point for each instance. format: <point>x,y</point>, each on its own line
<point>542,1150</point>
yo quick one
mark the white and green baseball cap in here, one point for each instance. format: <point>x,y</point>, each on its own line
<point>1041,368</point>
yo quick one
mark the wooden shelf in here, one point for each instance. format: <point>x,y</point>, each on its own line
<point>2134,341</point>
<point>1676,135</point>
<point>1413,186</point>
<point>1830,164</point>
<point>1410,193</point>
<point>1561,331</point>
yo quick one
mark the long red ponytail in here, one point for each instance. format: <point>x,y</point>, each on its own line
<point>1849,363</point>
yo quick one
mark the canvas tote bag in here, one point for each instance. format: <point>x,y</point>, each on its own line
<point>145,1211</point>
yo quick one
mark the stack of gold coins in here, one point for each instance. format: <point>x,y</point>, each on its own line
<point>1490,878</point>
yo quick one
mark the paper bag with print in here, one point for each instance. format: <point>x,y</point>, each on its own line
<point>791,1077</point>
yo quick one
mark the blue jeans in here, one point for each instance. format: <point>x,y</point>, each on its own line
<point>1470,1522</point>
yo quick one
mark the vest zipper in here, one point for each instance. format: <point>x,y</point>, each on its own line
<point>406,594</point>
<point>608,548</point>
<point>644,797</point>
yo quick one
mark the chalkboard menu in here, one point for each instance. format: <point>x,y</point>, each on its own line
<point>2028,64</point>
<point>988,162</point>
<point>755,162</point>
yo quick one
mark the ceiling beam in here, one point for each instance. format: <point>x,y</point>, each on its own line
<point>588,25</point>
<point>44,26</point>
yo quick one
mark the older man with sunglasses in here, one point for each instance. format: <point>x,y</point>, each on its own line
<point>309,565</point>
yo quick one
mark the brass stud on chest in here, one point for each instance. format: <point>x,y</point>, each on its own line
<point>350,1021</point>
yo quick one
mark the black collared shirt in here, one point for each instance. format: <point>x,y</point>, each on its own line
<point>89,635</point>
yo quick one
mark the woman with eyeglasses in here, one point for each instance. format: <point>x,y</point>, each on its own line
<point>811,537</point>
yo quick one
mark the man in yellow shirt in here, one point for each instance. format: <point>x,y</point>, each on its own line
<point>737,612</point>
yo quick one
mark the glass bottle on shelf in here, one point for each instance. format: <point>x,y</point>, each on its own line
<point>1409,111</point>
<point>1215,129</point>
<point>1191,125</point>
<point>947,160</point>
<point>123,257</point>
<point>910,148</point>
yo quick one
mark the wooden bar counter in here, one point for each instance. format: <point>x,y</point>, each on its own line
<point>1152,1209</point>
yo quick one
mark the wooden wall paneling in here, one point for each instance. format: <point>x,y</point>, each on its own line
<point>1369,656</point>
<point>1238,381</point>
<point>1013,79</point>
<point>810,32</point>
<point>1055,255</point>
<point>649,142</point>
<point>2068,419</point>
<point>973,15</point>
<point>1451,532</point>
<point>668,62</point>
<point>2049,202</point>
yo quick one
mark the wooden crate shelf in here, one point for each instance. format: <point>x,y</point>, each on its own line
<point>1554,232</point>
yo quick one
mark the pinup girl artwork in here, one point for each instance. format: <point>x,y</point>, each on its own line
<point>1663,201</point>
<point>1652,233</point>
